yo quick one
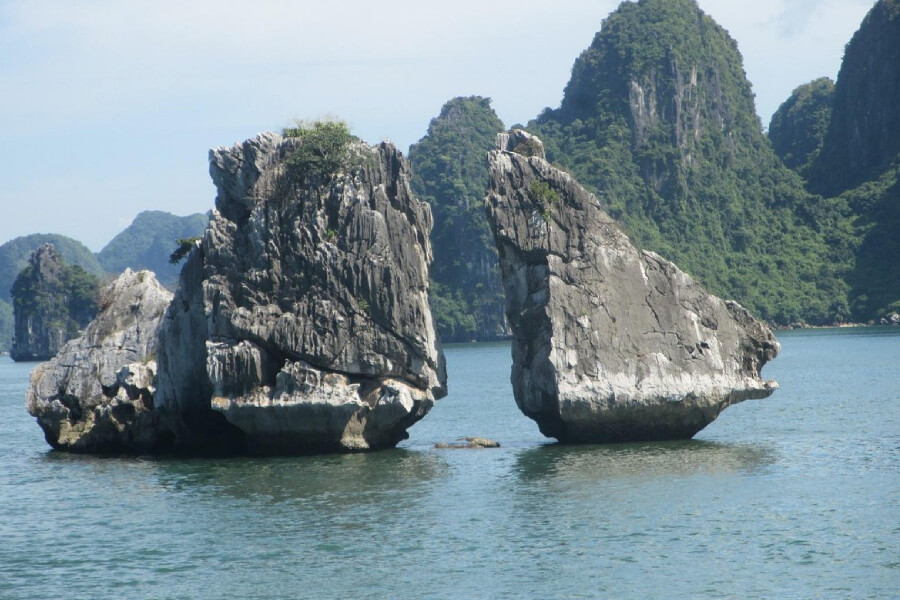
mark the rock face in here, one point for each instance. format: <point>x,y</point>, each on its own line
<point>302,320</point>
<point>96,395</point>
<point>611,343</point>
<point>52,301</point>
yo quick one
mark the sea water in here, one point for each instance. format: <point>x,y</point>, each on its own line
<point>795,496</point>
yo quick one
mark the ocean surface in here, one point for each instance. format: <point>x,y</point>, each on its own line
<point>796,496</point>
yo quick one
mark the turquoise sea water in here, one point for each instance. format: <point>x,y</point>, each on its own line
<point>796,496</point>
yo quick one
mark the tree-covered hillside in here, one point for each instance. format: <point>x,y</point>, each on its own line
<point>15,253</point>
<point>52,301</point>
<point>450,173</point>
<point>149,241</point>
<point>797,129</point>
<point>14,256</point>
<point>863,138</point>
<point>859,157</point>
<point>658,118</point>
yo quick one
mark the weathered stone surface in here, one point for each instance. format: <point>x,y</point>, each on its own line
<point>96,395</point>
<point>302,320</point>
<point>611,343</point>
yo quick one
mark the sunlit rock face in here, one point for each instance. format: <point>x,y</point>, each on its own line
<point>612,343</point>
<point>302,322</point>
<point>96,394</point>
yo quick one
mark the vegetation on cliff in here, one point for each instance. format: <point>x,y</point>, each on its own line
<point>324,148</point>
<point>863,137</point>
<point>857,161</point>
<point>797,129</point>
<point>14,256</point>
<point>659,120</point>
<point>450,173</point>
<point>52,302</point>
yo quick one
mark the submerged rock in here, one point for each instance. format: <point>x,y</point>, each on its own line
<point>302,320</point>
<point>468,443</point>
<point>96,394</point>
<point>612,343</point>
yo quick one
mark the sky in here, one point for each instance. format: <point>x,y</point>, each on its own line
<point>109,107</point>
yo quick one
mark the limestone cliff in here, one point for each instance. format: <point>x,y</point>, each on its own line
<point>96,394</point>
<point>611,343</point>
<point>302,320</point>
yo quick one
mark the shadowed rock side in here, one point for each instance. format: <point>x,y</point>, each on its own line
<point>96,394</point>
<point>612,343</point>
<point>302,323</point>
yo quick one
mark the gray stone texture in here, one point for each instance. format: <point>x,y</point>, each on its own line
<point>612,343</point>
<point>302,320</point>
<point>96,394</point>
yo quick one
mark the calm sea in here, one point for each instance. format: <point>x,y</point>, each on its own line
<point>797,496</point>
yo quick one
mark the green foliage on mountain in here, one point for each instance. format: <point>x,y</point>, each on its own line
<point>147,244</point>
<point>863,137</point>
<point>325,148</point>
<point>15,253</point>
<point>14,256</point>
<point>450,173</point>
<point>859,159</point>
<point>658,118</point>
<point>875,278</point>
<point>797,129</point>
<point>52,302</point>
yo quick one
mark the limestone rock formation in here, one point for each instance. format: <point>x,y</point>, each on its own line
<point>52,301</point>
<point>302,320</point>
<point>611,343</point>
<point>96,395</point>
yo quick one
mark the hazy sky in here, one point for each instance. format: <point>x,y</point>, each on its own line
<point>108,107</point>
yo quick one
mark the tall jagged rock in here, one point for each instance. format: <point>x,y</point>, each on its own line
<point>52,301</point>
<point>96,394</point>
<point>302,320</point>
<point>611,343</point>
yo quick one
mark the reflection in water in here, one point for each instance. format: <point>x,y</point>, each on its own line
<point>686,457</point>
<point>341,479</point>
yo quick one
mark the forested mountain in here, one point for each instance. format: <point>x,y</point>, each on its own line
<point>658,118</point>
<point>450,173</point>
<point>14,256</point>
<point>863,138</point>
<point>149,241</point>
<point>52,301</point>
<point>797,129</point>
<point>859,156</point>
